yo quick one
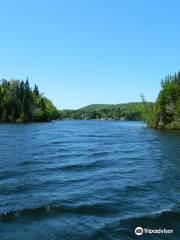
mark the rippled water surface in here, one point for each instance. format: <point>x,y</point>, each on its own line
<point>93,180</point>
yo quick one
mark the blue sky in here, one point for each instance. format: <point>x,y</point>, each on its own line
<point>90,51</point>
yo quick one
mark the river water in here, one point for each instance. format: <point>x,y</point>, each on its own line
<point>88,180</point>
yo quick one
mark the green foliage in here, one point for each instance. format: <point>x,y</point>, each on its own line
<point>39,115</point>
<point>128,111</point>
<point>166,112</point>
<point>19,103</point>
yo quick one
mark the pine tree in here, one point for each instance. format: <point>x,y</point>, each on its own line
<point>18,103</point>
<point>36,91</point>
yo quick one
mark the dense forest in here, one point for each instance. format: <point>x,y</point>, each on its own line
<point>165,114</point>
<point>19,103</point>
<point>127,111</point>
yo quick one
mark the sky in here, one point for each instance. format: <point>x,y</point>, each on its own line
<point>81,52</point>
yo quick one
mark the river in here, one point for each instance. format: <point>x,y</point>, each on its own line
<point>94,180</point>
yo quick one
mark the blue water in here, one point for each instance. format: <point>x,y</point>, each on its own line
<point>94,180</point>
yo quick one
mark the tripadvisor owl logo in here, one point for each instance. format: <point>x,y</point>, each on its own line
<point>139,231</point>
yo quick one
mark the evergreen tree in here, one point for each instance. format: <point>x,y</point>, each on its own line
<point>18,103</point>
<point>36,91</point>
<point>166,111</point>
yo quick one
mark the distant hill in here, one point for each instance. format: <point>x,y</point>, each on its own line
<point>125,111</point>
<point>96,107</point>
<point>93,107</point>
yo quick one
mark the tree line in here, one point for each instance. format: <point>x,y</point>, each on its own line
<point>20,103</point>
<point>165,113</point>
<point>128,111</point>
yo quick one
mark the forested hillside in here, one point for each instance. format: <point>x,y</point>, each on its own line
<point>127,111</point>
<point>19,103</point>
<point>165,114</point>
